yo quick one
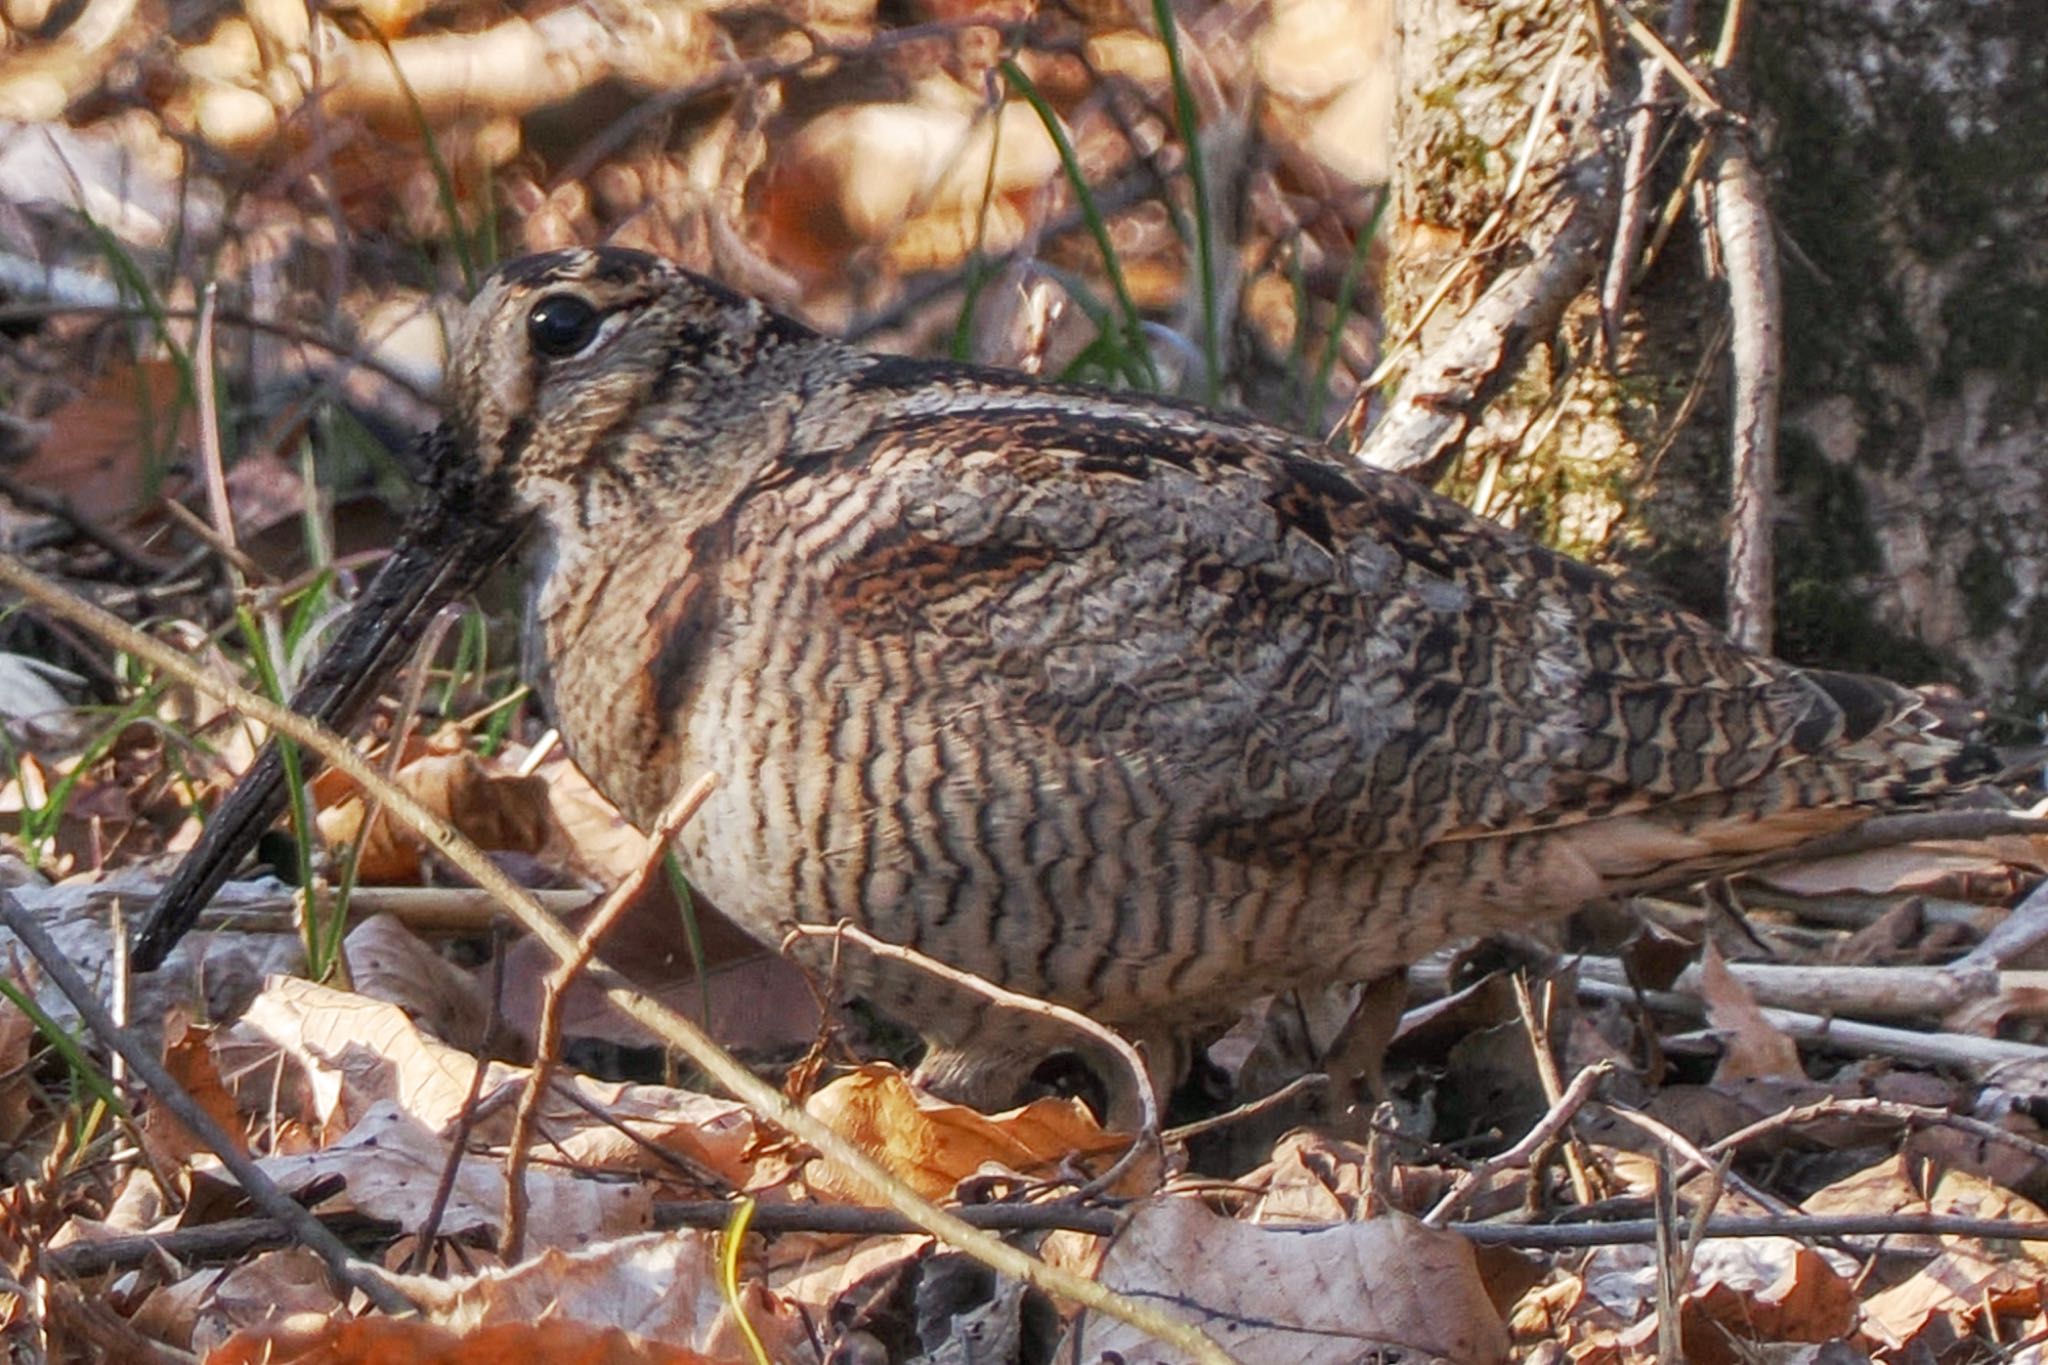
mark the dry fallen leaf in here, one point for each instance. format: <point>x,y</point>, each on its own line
<point>598,842</point>
<point>499,811</point>
<point>1967,1277</point>
<point>114,446</point>
<point>392,1165</point>
<point>1751,1046</point>
<point>659,1286</point>
<point>1905,867</point>
<point>350,1054</point>
<point>17,1034</point>
<point>933,1145</point>
<point>388,962</point>
<point>1327,1296</point>
<point>190,1061</point>
<point>1760,1290</point>
<point>291,1284</point>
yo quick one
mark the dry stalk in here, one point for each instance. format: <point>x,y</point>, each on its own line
<point>1562,1110</point>
<point>548,1039</point>
<point>1536,1022</point>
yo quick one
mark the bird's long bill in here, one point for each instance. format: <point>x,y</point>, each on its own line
<point>449,543</point>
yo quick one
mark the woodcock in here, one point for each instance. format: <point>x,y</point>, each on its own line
<point>1113,700</point>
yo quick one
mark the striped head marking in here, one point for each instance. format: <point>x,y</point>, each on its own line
<point>566,356</point>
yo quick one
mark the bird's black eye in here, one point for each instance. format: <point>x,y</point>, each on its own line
<point>562,324</point>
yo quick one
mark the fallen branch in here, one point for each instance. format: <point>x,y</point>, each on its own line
<point>1894,993</point>
<point>1938,1049</point>
<point>1887,831</point>
<point>1446,390</point>
<point>1742,226</point>
<point>236,1236</point>
<point>2017,934</point>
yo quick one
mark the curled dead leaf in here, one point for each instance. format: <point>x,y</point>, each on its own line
<point>933,1145</point>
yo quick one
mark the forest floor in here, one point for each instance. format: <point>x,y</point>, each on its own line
<point>1790,1117</point>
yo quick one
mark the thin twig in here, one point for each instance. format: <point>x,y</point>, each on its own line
<point>354,358</point>
<point>212,460</point>
<point>1674,206</point>
<point>1912,1115</point>
<point>1695,1159</point>
<point>1300,1085</point>
<point>1645,134</point>
<point>234,1237</point>
<point>1664,1211</point>
<point>1730,41</point>
<point>644,112</point>
<point>1394,349</point>
<point>1561,1112</point>
<point>1446,390</point>
<point>1646,38</point>
<point>465,1122</point>
<point>241,568</point>
<point>1536,1022</point>
<point>548,1033</point>
<point>49,504</point>
<point>409,700</point>
<point>1742,226</point>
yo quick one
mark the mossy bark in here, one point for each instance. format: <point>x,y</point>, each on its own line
<point>1906,147</point>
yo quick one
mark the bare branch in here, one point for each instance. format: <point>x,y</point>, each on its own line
<point>1742,224</point>
<point>1447,390</point>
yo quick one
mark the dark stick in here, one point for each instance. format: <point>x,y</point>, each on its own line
<point>234,1236</point>
<point>293,1219</point>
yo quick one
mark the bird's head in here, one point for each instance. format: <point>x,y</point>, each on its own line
<point>584,386</point>
<point>610,372</point>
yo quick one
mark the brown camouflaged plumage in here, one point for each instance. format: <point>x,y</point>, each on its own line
<point>1107,699</point>
<point>1111,700</point>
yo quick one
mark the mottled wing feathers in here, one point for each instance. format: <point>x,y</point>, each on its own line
<point>1329,656</point>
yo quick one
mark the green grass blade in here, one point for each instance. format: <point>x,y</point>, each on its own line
<point>60,1040</point>
<point>1347,289</point>
<point>1198,177</point>
<point>318,938</point>
<point>130,278</point>
<point>499,723</point>
<point>686,902</point>
<point>1137,356</point>
<point>978,272</point>
<point>39,824</point>
<point>444,181</point>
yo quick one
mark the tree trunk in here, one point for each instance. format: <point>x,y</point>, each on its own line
<point>1901,153</point>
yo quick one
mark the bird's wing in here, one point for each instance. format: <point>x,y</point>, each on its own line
<point>1314,654</point>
